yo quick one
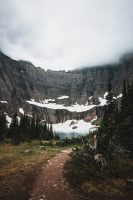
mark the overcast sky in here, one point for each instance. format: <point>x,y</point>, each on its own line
<point>66,34</point>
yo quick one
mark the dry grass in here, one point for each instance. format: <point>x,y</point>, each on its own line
<point>19,166</point>
<point>114,183</point>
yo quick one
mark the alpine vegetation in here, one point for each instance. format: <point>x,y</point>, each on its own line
<point>102,168</point>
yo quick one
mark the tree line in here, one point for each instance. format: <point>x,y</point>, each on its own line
<point>103,166</point>
<point>116,129</point>
<point>25,129</point>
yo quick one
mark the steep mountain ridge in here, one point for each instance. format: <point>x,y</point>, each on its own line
<point>21,81</point>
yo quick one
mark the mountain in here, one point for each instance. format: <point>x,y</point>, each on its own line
<point>59,96</point>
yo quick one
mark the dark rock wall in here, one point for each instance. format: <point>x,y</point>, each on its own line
<point>21,81</point>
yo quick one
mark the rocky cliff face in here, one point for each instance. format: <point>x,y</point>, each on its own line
<point>21,81</point>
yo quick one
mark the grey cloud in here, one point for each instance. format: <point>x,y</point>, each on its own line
<point>64,34</point>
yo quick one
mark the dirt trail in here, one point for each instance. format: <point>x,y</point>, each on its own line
<point>50,184</point>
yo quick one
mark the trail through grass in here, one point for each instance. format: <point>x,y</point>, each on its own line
<point>19,166</point>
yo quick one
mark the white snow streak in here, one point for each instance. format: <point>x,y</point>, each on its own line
<point>21,111</point>
<point>119,96</point>
<point>3,101</point>
<point>94,119</point>
<point>8,119</point>
<point>103,101</point>
<point>106,93</point>
<point>63,97</point>
<point>73,108</point>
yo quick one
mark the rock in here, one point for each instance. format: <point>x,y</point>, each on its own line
<point>42,197</point>
<point>21,81</point>
<point>74,127</point>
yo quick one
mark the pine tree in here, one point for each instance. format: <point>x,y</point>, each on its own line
<point>24,128</point>
<point>33,128</point>
<point>129,144</point>
<point>125,127</point>
<point>14,130</point>
<point>125,100</point>
<point>107,130</point>
<point>51,132</point>
<point>3,126</point>
<point>37,128</point>
<point>45,131</point>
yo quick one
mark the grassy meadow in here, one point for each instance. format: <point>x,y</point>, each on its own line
<point>19,166</point>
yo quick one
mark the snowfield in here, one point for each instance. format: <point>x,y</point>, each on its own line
<point>70,128</point>
<point>73,108</point>
<point>74,128</point>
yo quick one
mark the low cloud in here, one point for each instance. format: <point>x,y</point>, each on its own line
<point>66,34</point>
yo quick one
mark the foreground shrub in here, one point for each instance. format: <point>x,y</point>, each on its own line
<point>111,181</point>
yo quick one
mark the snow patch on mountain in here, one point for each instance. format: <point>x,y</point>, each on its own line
<point>3,101</point>
<point>79,108</point>
<point>18,119</point>
<point>8,119</point>
<point>51,104</point>
<point>90,97</point>
<point>102,101</point>
<point>106,93</point>
<point>73,108</point>
<point>21,111</point>
<point>46,101</point>
<point>119,96</point>
<point>63,97</point>
<point>94,119</point>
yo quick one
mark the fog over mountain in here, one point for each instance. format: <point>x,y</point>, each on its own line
<point>66,34</point>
